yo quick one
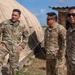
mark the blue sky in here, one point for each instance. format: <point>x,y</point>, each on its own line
<point>40,7</point>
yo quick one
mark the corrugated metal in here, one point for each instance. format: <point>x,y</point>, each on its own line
<point>60,9</point>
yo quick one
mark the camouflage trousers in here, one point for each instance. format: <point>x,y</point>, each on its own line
<point>70,68</point>
<point>13,60</point>
<point>55,66</point>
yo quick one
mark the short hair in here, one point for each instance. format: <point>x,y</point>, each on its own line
<point>73,7</point>
<point>17,10</point>
<point>52,14</point>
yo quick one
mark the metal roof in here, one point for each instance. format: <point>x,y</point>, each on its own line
<point>61,9</point>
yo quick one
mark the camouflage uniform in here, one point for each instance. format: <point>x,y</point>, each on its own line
<point>71,51</point>
<point>13,35</point>
<point>55,40</point>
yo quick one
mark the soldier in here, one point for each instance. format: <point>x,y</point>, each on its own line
<point>14,37</point>
<point>55,45</point>
<point>71,42</point>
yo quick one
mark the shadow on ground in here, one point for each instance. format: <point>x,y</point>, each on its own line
<point>40,53</point>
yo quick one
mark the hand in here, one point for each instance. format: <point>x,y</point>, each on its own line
<point>1,46</point>
<point>19,48</point>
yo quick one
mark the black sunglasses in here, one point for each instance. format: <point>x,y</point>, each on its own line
<point>49,19</point>
<point>73,14</point>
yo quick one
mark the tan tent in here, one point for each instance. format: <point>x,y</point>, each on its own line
<point>31,22</point>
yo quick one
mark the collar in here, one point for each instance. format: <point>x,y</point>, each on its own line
<point>14,23</point>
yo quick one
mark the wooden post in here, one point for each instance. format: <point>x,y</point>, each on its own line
<point>62,18</point>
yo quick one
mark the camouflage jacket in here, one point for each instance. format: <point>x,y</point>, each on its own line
<point>71,44</point>
<point>55,39</point>
<point>14,34</point>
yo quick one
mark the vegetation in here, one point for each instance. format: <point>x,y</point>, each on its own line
<point>44,26</point>
<point>19,73</point>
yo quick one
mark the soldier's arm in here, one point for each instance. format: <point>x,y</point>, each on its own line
<point>63,41</point>
<point>1,31</point>
<point>1,35</point>
<point>2,25</point>
<point>25,35</point>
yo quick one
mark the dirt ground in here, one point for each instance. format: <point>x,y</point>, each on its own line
<point>38,65</point>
